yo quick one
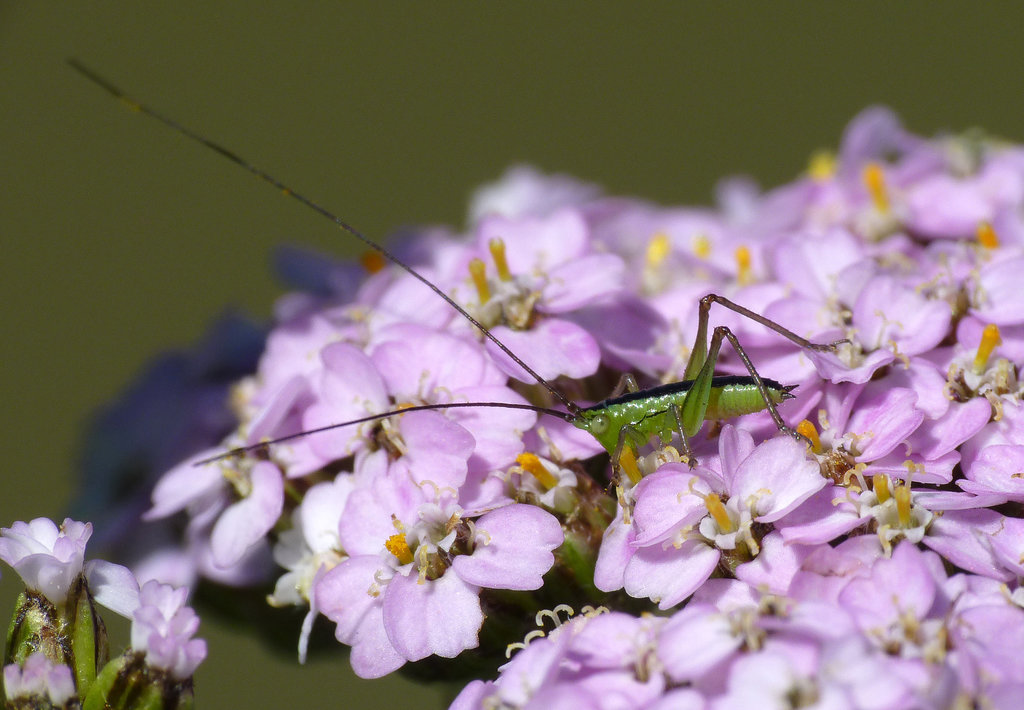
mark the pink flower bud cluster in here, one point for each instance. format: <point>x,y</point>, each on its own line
<point>61,586</point>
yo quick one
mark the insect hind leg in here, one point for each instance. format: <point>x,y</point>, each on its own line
<point>724,332</point>
<point>705,307</point>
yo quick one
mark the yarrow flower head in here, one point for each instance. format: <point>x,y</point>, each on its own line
<point>852,513</point>
<point>421,561</point>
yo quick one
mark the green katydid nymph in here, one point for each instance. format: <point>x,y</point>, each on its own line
<point>628,419</point>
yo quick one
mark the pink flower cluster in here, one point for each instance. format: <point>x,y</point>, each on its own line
<point>897,634</point>
<point>884,548</point>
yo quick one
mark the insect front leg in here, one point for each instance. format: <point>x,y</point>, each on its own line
<point>627,435</point>
<point>677,412</point>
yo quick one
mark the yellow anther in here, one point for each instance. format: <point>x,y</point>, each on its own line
<point>809,432</point>
<point>497,247</point>
<point>902,496</point>
<point>822,165</point>
<point>478,270</point>
<point>658,249</point>
<point>874,181</point>
<point>744,275</point>
<point>719,513</point>
<point>701,246</point>
<point>989,340</point>
<point>880,485</point>
<point>372,261</point>
<point>532,465</point>
<point>398,547</point>
<point>627,461</point>
<point>987,236</point>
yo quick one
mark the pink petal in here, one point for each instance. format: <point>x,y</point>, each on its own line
<point>961,422</point>
<point>698,626</point>
<point>883,422</point>
<point>664,503</point>
<point>513,548</point>
<point>537,243</point>
<point>962,537</point>
<point>613,556</point>
<point>184,484</point>
<point>668,576</point>
<point>437,448</point>
<point>367,521</point>
<point>442,617</point>
<point>554,347</point>
<point>114,586</point>
<point>577,283</point>
<point>894,587</point>
<point>775,564</point>
<point>779,476</point>
<point>343,596</point>
<point>245,523</point>
<point>1004,298</point>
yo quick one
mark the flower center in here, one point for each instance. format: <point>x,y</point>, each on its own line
<point>398,546</point>
<point>504,301</point>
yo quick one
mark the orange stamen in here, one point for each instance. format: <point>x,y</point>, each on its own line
<point>808,431</point>
<point>902,496</point>
<point>744,274</point>
<point>497,248</point>
<point>532,465</point>
<point>397,546</point>
<point>658,249</point>
<point>880,485</point>
<point>874,181</point>
<point>719,513</point>
<point>478,271</point>
<point>702,246</point>
<point>987,236</point>
<point>989,340</point>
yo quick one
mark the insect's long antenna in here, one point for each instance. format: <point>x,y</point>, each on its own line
<point>316,207</point>
<point>242,450</point>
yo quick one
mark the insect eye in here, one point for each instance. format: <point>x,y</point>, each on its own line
<point>599,424</point>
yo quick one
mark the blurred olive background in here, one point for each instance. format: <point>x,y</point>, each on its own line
<point>120,239</point>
